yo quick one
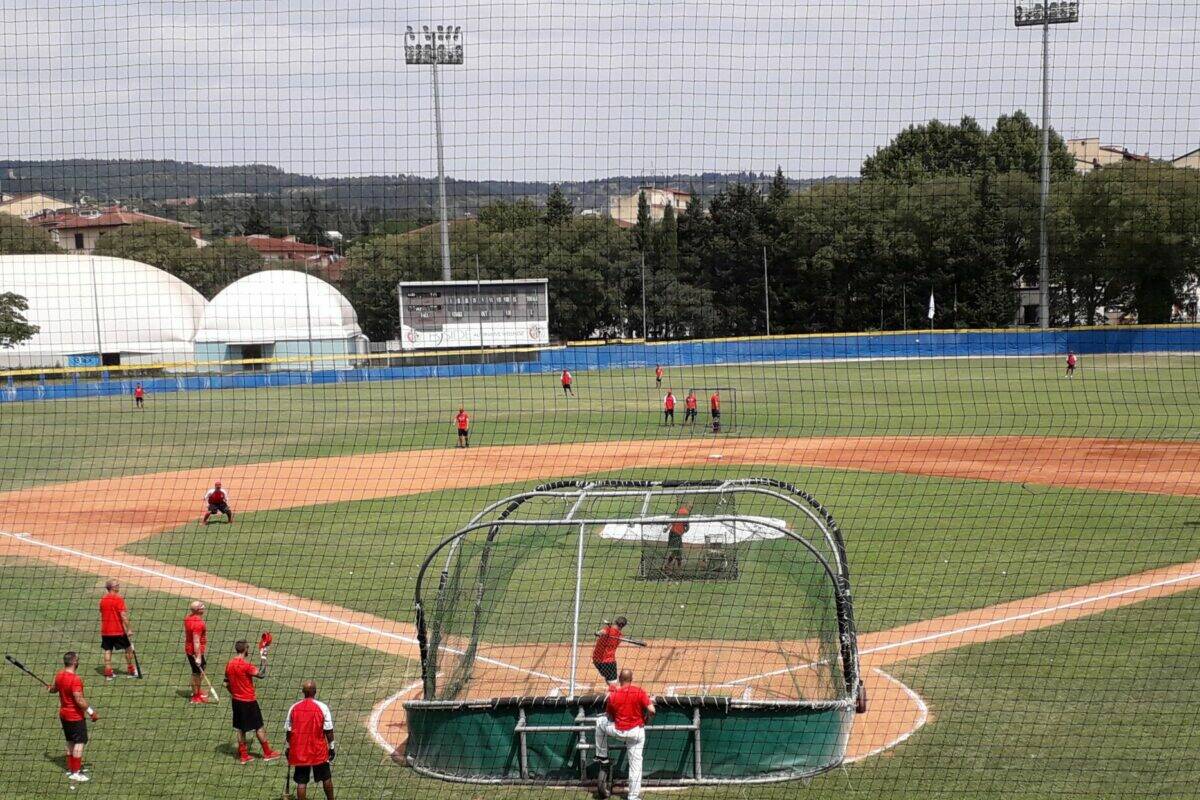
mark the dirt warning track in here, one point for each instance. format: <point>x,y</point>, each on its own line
<point>84,525</point>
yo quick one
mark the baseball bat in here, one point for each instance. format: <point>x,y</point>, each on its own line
<point>137,665</point>
<point>25,669</point>
<point>287,777</point>
<point>634,642</point>
<point>211,688</point>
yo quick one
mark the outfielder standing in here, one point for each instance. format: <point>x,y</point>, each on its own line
<point>114,628</point>
<point>71,710</point>
<point>310,746</point>
<point>566,383</point>
<point>463,422</point>
<point>627,711</point>
<point>669,408</point>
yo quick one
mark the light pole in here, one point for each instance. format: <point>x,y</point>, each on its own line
<point>1045,13</point>
<point>308,310</point>
<point>440,45</point>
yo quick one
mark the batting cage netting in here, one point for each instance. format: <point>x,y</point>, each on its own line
<point>744,399</point>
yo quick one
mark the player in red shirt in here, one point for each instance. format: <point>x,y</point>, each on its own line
<point>139,397</point>
<point>566,383</point>
<point>627,711</point>
<point>463,421</point>
<point>689,407</point>
<point>675,532</point>
<point>247,716</point>
<point>669,408</point>
<point>604,654</point>
<point>114,629</point>
<point>714,407</point>
<point>658,373</point>
<point>195,646</point>
<point>1071,362</point>
<point>218,503</point>
<point>71,710</point>
<point>309,730</point>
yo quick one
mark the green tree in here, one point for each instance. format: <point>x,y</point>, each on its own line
<point>312,228</point>
<point>934,148</point>
<point>503,215</point>
<point>558,208</point>
<point>1015,145</point>
<point>642,230</point>
<point>18,237</point>
<point>255,222</point>
<point>227,262</point>
<point>14,328</point>
<point>779,192</point>
<point>168,247</point>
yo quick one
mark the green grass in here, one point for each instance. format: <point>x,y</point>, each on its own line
<point>1119,396</point>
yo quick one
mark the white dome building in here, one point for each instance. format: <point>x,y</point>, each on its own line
<point>126,311</point>
<point>279,314</point>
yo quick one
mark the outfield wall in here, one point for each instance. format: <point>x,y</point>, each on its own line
<point>100,382</point>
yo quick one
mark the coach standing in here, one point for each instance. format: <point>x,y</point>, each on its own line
<point>195,645</point>
<point>71,710</point>
<point>627,711</point>
<point>114,628</point>
<point>310,746</point>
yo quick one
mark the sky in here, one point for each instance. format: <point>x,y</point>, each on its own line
<point>575,89</point>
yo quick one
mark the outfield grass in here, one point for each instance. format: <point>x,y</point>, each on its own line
<point>1118,396</point>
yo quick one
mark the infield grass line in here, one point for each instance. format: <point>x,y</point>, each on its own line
<point>899,740</point>
<point>112,562</point>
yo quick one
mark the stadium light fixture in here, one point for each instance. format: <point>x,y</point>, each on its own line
<point>440,45</point>
<point>1045,13</point>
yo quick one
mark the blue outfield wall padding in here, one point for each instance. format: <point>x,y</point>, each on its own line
<point>847,347</point>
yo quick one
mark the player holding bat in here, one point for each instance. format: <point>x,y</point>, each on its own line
<point>604,654</point>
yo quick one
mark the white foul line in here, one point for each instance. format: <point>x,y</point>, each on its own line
<point>112,562</point>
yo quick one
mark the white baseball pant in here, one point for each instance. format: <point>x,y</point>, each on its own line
<point>635,742</point>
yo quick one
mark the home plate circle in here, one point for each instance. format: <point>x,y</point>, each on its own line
<point>715,455</point>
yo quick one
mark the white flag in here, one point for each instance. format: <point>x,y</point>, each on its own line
<point>930,315</point>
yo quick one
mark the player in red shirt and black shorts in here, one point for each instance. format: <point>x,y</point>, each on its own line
<point>604,654</point>
<point>309,729</point>
<point>463,421</point>
<point>72,708</point>
<point>218,503</point>
<point>627,711</point>
<point>114,628</point>
<point>714,407</point>
<point>247,716</point>
<point>689,407</point>
<point>195,646</point>
<point>566,383</point>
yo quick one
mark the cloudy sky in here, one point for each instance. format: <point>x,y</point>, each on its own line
<point>574,89</point>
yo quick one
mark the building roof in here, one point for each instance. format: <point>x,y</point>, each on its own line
<point>269,244</point>
<point>142,309</point>
<point>678,192</point>
<point>277,305</point>
<point>107,218</point>
<point>1188,154</point>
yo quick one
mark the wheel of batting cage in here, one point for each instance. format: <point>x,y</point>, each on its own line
<point>738,615</point>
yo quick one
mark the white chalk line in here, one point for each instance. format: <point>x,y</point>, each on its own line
<point>378,711</point>
<point>28,539</point>
<point>921,720</point>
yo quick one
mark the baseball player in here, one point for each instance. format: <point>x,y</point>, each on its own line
<point>627,711</point>
<point>689,407</point>
<point>247,715</point>
<point>463,421</point>
<point>218,503</point>
<point>604,654</point>
<point>669,408</point>
<point>114,628</point>
<point>714,407</point>
<point>658,373</point>
<point>195,645</point>
<point>72,708</point>
<point>1071,362</point>
<point>139,397</point>
<point>675,532</point>
<point>310,746</point>
<point>566,383</point>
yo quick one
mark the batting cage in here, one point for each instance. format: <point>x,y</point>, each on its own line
<point>733,605</point>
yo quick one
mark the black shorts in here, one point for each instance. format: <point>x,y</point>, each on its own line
<point>463,432</point>
<point>689,414</point>
<point>218,508</point>
<point>669,413</point>
<point>716,414</point>
<point>607,670</point>
<point>320,772</point>
<point>197,666</point>
<point>114,642</point>
<point>675,544</point>
<point>247,716</point>
<point>75,732</point>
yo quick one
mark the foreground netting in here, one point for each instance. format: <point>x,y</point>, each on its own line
<point>738,592</point>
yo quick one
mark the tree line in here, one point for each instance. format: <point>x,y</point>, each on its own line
<point>945,209</point>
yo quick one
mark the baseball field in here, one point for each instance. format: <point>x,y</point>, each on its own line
<point>1024,551</point>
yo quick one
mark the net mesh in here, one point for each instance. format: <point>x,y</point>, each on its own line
<point>833,212</point>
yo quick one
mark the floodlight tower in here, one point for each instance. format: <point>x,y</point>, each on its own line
<point>433,46</point>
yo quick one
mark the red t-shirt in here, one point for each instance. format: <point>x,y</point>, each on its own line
<point>139,392</point>
<point>216,496</point>
<point>307,721</point>
<point>463,419</point>
<point>111,606</point>
<point>715,402</point>
<point>626,707</point>
<point>566,378</point>
<point>605,651</point>
<point>669,402</point>
<point>238,673</point>
<point>67,683</point>
<point>690,402</point>
<point>193,624</point>
<point>680,528</point>
<point>1071,360</point>
<point>658,372</point>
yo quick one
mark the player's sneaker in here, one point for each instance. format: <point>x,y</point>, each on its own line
<point>199,699</point>
<point>245,758</point>
<point>78,777</point>
<point>271,755</point>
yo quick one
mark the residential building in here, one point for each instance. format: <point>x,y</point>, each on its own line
<point>1089,154</point>
<point>1190,160</point>
<point>79,231</point>
<point>320,259</point>
<point>26,206</point>
<point>624,209</point>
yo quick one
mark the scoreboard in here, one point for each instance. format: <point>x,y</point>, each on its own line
<point>455,314</point>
